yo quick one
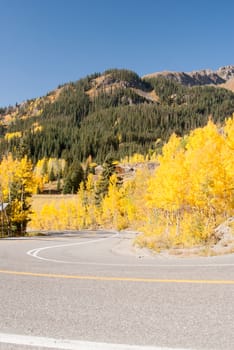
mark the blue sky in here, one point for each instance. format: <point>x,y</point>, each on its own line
<point>44,43</point>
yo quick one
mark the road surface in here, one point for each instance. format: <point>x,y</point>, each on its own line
<point>91,290</point>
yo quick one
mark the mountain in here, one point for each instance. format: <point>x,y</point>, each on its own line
<point>115,113</point>
<point>200,77</point>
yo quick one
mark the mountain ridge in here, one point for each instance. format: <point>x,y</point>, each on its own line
<point>198,77</point>
<point>218,77</point>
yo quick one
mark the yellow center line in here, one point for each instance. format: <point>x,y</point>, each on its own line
<point>121,279</point>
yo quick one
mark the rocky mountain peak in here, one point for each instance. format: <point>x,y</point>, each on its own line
<point>226,72</point>
<point>199,77</point>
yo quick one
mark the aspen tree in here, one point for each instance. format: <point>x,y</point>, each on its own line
<point>18,184</point>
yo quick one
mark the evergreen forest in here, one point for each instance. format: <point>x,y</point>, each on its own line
<point>108,114</point>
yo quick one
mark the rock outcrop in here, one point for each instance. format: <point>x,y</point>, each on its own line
<point>201,77</point>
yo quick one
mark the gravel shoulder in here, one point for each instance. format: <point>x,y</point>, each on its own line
<point>224,237</point>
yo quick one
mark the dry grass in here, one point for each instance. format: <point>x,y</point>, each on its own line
<point>39,200</point>
<point>151,96</point>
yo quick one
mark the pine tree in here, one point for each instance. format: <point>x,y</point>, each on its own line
<point>52,176</point>
<point>74,177</point>
<point>102,186</point>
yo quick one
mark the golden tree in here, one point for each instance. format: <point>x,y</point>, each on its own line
<point>17,186</point>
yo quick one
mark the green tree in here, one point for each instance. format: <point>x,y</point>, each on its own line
<point>74,176</point>
<point>102,187</point>
<point>52,176</point>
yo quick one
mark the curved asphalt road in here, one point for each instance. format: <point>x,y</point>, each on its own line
<point>77,290</point>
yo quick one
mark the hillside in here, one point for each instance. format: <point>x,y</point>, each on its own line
<point>107,83</point>
<point>115,114</point>
<point>229,85</point>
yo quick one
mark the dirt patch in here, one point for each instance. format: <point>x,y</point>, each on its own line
<point>228,85</point>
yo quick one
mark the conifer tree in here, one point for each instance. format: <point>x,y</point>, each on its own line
<point>74,177</point>
<point>103,183</point>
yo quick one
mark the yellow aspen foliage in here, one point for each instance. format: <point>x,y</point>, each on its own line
<point>57,165</point>
<point>137,158</point>
<point>45,165</point>
<point>167,190</point>
<point>134,159</point>
<point>10,135</point>
<point>69,212</point>
<point>49,218</point>
<point>41,171</point>
<point>86,195</point>
<point>137,187</point>
<point>36,127</point>
<point>180,204</point>
<point>229,130</point>
<point>206,158</point>
<point>17,184</point>
<point>192,190</point>
<point>64,214</point>
<point>128,190</point>
<point>113,206</point>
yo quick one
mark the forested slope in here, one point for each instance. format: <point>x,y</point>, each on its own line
<point>109,114</point>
